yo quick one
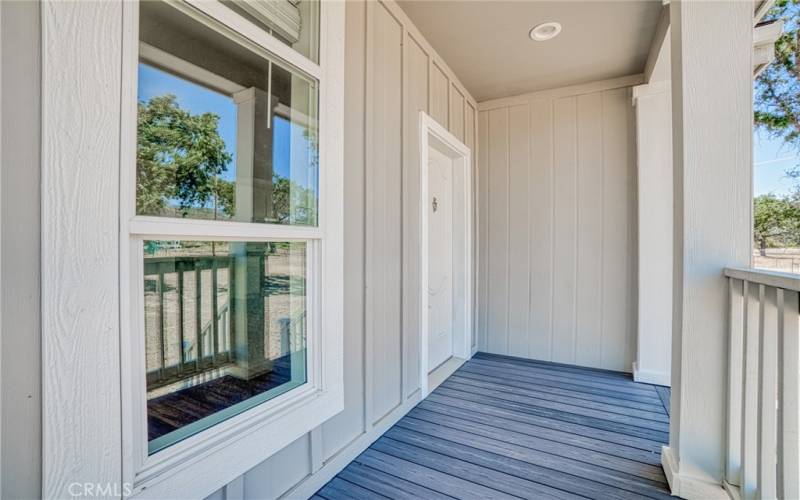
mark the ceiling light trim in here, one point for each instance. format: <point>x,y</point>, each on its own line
<point>545,31</point>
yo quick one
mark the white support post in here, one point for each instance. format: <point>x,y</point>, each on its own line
<point>654,170</point>
<point>711,50</point>
<point>253,204</point>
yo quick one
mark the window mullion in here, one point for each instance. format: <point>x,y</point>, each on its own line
<point>196,229</point>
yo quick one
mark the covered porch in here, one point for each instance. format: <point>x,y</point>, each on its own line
<point>601,331</point>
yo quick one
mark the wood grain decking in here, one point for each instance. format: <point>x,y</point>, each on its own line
<point>504,427</point>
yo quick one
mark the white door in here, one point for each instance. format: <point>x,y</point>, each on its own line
<point>440,258</point>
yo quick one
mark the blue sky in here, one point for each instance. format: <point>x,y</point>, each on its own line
<point>196,99</point>
<point>771,160</point>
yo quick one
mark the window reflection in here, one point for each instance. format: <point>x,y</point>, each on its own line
<point>225,330</point>
<point>223,132</point>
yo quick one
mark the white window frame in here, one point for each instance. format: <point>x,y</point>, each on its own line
<point>200,464</point>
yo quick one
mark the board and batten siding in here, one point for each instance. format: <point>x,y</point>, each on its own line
<point>557,225</point>
<point>391,74</point>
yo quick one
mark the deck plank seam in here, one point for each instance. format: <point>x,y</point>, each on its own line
<point>538,411</point>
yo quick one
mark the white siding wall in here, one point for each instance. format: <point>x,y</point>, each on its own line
<point>391,74</point>
<point>557,224</point>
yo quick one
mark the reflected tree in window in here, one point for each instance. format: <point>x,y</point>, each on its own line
<point>180,157</point>
<point>293,203</point>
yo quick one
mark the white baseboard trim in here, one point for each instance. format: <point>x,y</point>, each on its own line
<point>689,487</point>
<point>650,377</point>
<point>442,372</point>
<point>334,465</point>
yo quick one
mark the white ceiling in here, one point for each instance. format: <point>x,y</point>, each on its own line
<point>486,43</point>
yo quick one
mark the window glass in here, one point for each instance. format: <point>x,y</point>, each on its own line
<point>225,330</point>
<point>224,132</point>
<point>293,22</point>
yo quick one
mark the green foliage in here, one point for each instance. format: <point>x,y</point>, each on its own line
<point>776,221</point>
<point>180,157</point>
<point>292,203</point>
<point>777,89</point>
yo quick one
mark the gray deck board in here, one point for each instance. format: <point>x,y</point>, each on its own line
<point>388,485</point>
<point>651,421</point>
<point>652,413</point>
<point>504,427</point>
<point>544,390</point>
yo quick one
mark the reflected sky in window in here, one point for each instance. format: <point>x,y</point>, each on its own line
<point>197,99</point>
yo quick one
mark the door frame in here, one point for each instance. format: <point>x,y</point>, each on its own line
<point>433,135</point>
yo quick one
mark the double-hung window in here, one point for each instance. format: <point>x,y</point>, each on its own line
<point>232,232</point>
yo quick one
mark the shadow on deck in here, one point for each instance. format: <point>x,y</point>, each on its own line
<point>504,427</point>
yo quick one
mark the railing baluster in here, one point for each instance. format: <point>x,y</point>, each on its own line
<point>161,336</point>
<point>231,291</point>
<point>198,318</point>
<point>789,397</point>
<point>214,313</point>
<point>749,439</point>
<point>768,375</point>
<point>179,268</point>
<point>737,303</point>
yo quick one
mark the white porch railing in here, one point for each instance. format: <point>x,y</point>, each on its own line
<point>209,345</point>
<point>763,455</point>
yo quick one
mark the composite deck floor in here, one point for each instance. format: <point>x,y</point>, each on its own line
<point>504,427</point>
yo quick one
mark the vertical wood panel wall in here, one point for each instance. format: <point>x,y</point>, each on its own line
<point>391,74</point>
<point>556,226</point>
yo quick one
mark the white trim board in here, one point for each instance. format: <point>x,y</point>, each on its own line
<point>571,90</point>
<point>689,487</point>
<point>434,135</point>
<point>649,376</point>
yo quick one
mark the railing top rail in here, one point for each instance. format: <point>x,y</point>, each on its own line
<point>172,258</point>
<point>776,279</point>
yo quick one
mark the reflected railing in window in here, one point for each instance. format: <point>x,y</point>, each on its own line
<point>225,330</point>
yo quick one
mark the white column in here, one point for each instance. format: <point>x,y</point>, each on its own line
<point>654,175</point>
<point>253,204</point>
<point>712,135</point>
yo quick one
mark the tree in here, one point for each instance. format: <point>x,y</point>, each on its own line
<point>180,157</point>
<point>777,89</point>
<point>776,221</point>
<point>293,203</point>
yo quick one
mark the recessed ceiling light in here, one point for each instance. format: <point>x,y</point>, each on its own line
<point>545,31</point>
